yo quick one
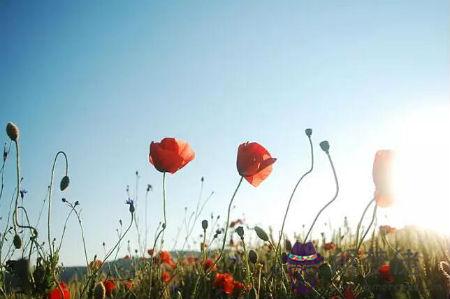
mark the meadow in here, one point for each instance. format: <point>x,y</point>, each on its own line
<point>366,261</point>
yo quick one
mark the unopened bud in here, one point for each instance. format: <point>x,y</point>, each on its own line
<point>13,131</point>
<point>64,183</point>
<point>308,132</point>
<point>240,231</point>
<point>325,146</point>
<point>252,256</point>
<point>205,224</point>
<point>261,234</point>
<point>17,241</point>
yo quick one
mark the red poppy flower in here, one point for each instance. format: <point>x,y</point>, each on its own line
<point>170,155</point>
<point>209,264</point>
<point>165,277</point>
<point>110,286</point>
<point>166,258</point>
<point>385,273</point>
<point>254,162</point>
<point>127,284</point>
<point>348,293</point>
<point>329,246</point>
<point>382,177</point>
<point>55,293</point>
<point>225,282</point>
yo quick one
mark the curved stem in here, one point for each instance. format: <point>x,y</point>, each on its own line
<point>361,220</point>
<point>374,215</point>
<point>50,196</point>
<point>330,202</point>
<point>293,192</point>
<point>227,223</point>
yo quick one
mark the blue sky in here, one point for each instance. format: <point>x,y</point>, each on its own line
<point>102,79</point>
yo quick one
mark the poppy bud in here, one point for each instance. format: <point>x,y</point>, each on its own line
<point>308,132</point>
<point>5,154</point>
<point>64,183</point>
<point>325,146</point>
<point>17,241</point>
<point>240,231</point>
<point>325,273</point>
<point>99,291</point>
<point>63,199</point>
<point>288,245</point>
<point>261,234</point>
<point>13,131</point>
<point>252,256</point>
<point>77,203</point>
<point>205,224</point>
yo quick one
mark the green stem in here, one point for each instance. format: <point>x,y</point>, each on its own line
<point>293,192</point>
<point>368,228</point>
<point>227,223</point>
<point>330,202</point>
<point>361,220</point>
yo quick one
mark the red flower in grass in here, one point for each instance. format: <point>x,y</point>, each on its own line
<point>110,286</point>
<point>240,287</point>
<point>165,277</point>
<point>225,282</point>
<point>209,264</point>
<point>329,246</point>
<point>254,162</point>
<point>55,293</point>
<point>170,155</point>
<point>348,293</point>
<point>127,284</point>
<point>382,177</point>
<point>166,258</point>
<point>385,273</point>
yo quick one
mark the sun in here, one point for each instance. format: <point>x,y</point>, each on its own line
<point>422,170</point>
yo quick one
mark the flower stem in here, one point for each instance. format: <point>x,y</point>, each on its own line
<point>227,223</point>
<point>293,192</point>
<point>164,208</point>
<point>374,215</point>
<point>330,202</point>
<point>358,228</point>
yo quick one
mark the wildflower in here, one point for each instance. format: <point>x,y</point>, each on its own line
<point>382,177</point>
<point>170,155</point>
<point>385,273</point>
<point>254,162</point>
<point>12,131</point>
<point>209,265</point>
<point>329,246</point>
<point>239,287</point>
<point>110,286</point>
<point>150,251</point>
<point>225,282</point>
<point>386,229</point>
<point>166,258</point>
<point>165,277</point>
<point>55,293</point>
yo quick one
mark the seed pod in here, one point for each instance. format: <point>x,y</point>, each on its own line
<point>308,132</point>
<point>17,241</point>
<point>12,131</point>
<point>325,273</point>
<point>100,291</point>
<point>261,234</point>
<point>325,146</point>
<point>205,224</point>
<point>252,256</point>
<point>240,231</point>
<point>64,183</point>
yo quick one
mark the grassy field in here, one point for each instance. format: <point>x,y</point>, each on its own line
<point>367,262</point>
